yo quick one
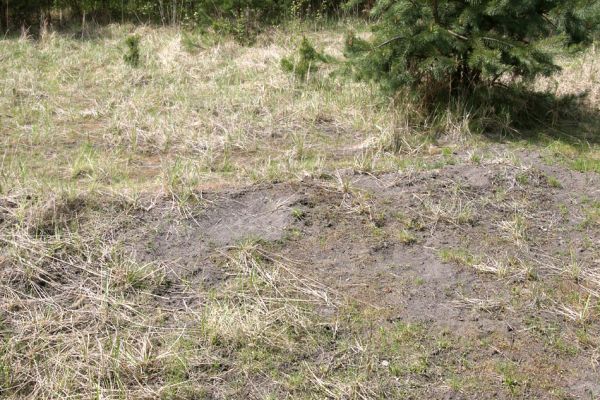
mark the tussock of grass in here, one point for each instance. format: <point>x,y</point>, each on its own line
<point>459,256</point>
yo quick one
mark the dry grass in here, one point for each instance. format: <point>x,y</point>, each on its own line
<point>579,75</point>
<point>87,142</point>
<point>83,319</point>
<point>208,112</point>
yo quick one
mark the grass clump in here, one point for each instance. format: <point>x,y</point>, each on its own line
<point>554,182</point>
<point>511,377</point>
<point>406,237</point>
<point>298,214</point>
<point>461,257</point>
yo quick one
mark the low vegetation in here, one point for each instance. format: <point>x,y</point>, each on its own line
<point>187,215</point>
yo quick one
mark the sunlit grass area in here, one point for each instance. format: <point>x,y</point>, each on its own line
<point>97,153</point>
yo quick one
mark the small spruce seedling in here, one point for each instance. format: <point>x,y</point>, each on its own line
<point>132,54</point>
<point>306,63</point>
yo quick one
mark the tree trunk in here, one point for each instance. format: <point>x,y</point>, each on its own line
<point>83,24</point>
<point>435,11</point>
<point>7,15</point>
<point>161,10</point>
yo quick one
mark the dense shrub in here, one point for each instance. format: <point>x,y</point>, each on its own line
<point>19,12</point>
<point>441,48</point>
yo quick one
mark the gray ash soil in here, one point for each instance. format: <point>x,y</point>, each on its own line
<point>189,241</point>
<point>350,240</point>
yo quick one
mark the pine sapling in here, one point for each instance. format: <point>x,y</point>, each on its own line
<point>306,62</point>
<point>132,53</point>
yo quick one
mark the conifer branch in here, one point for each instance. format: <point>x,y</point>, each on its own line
<point>457,35</point>
<point>390,41</point>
